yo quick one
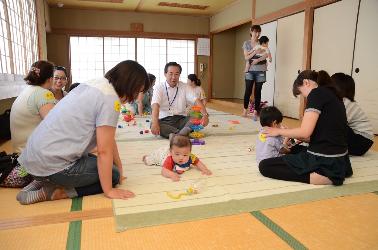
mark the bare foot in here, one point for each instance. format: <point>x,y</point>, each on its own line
<point>245,112</point>
<point>59,194</point>
<point>318,179</point>
<point>144,159</point>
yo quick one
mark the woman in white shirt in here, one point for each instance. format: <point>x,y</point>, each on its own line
<point>195,85</point>
<point>33,103</point>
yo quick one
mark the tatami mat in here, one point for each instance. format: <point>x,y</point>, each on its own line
<point>229,232</point>
<point>235,186</point>
<point>220,124</point>
<point>10,208</point>
<point>44,237</point>
<point>339,223</point>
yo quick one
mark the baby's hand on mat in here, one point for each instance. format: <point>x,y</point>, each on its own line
<point>206,171</point>
<point>116,193</point>
<point>175,177</point>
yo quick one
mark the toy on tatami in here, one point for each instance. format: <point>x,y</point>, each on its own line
<point>196,126</point>
<point>128,117</point>
<point>194,188</point>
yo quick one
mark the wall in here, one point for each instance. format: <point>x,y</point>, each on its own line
<point>223,64</point>
<point>105,21</point>
<point>264,7</point>
<point>227,18</point>
<point>120,21</point>
<point>241,35</point>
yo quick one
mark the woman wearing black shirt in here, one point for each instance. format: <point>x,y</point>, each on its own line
<point>324,122</point>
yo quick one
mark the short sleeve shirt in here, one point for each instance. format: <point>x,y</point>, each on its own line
<point>257,67</point>
<point>172,101</point>
<point>329,137</point>
<point>25,116</point>
<point>69,130</point>
<point>268,147</point>
<point>177,168</point>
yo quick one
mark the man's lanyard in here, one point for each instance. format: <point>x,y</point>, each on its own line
<point>174,98</point>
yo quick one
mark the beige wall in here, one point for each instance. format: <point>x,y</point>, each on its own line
<point>264,7</point>
<point>223,64</point>
<point>58,44</point>
<point>228,17</point>
<point>120,21</point>
<point>241,35</point>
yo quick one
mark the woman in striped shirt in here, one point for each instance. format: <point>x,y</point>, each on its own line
<point>360,130</point>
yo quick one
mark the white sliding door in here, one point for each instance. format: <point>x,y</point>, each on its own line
<point>270,30</point>
<point>289,54</point>
<point>333,37</point>
<point>365,60</point>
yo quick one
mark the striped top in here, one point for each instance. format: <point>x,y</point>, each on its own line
<point>357,119</point>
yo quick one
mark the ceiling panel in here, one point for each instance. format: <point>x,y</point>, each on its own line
<point>147,5</point>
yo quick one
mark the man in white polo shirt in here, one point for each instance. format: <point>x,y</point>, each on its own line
<point>169,102</point>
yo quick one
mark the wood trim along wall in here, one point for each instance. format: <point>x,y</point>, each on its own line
<point>307,50</point>
<point>126,33</point>
<point>132,11</point>
<point>292,9</point>
<point>253,9</point>
<point>37,14</point>
<point>210,89</point>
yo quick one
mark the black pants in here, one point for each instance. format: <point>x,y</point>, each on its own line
<point>277,168</point>
<point>248,91</point>
<point>173,124</point>
<point>357,144</point>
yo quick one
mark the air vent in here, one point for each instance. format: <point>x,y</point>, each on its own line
<point>183,5</point>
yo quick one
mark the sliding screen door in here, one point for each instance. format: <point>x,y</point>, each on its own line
<point>289,55</point>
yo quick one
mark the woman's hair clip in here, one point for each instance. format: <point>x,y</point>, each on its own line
<point>36,70</point>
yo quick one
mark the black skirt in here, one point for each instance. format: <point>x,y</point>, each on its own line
<point>335,168</point>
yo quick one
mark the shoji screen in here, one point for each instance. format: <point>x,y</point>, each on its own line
<point>270,30</point>
<point>365,60</point>
<point>290,32</point>
<point>333,37</point>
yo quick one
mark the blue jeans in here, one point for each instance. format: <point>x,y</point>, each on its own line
<point>257,76</point>
<point>82,178</point>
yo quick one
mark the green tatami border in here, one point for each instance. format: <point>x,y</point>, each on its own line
<point>279,231</point>
<point>176,215</point>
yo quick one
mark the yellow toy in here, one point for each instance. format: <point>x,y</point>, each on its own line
<point>196,135</point>
<point>195,188</point>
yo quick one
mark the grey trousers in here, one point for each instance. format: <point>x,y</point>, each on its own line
<point>174,124</point>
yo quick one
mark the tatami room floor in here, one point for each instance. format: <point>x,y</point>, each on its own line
<point>349,222</point>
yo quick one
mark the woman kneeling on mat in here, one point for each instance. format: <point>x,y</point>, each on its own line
<point>57,153</point>
<point>326,160</point>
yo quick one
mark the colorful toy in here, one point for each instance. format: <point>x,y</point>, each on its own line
<point>195,188</point>
<point>197,142</point>
<point>196,126</point>
<point>123,110</point>
<point>128,116</point>
<point>234,121</point>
